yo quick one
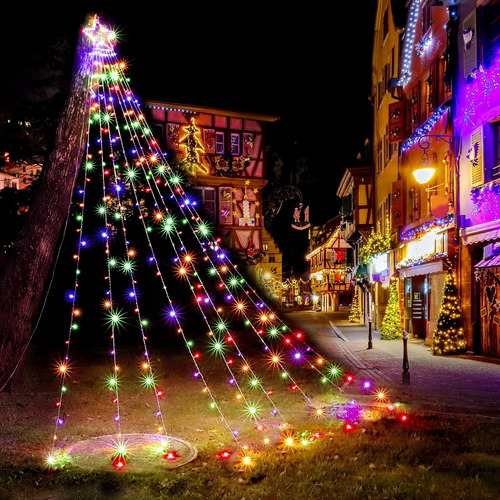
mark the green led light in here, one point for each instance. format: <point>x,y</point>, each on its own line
<point>148,381</point>
<point>254,383</point>
<point>252,410</point>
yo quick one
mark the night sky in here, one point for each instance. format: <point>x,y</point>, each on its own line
<point>300,65</point>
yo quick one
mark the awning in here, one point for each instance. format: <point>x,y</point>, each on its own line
<point>489,262</point>
<point>482,232</point>
<point>427,268</point>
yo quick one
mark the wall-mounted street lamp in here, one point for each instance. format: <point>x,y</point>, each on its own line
<point>426,169</point>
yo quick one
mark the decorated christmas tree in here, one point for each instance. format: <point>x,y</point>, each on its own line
<point>136,230</point>
<point>355,312</point>
<point>392,323</point>
<point>448,334</point>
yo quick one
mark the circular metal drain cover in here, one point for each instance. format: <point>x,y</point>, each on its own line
<point>143,452</point>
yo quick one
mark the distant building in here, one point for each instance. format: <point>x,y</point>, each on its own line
<point>19,174</point>
<point>328,257</point>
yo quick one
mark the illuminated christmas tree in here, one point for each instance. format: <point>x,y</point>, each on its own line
<point>137,228</point>
<point>354,311</point>
<point>449,335</point>
<point>392,323</point>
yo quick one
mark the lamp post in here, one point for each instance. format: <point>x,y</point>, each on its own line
<point>370,343</point>
<point>406,365</point>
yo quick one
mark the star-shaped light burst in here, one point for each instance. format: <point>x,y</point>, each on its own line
<point>102,38</point>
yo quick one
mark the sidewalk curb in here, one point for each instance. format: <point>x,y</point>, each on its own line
<point>356,362</point>
<point>337,331</point>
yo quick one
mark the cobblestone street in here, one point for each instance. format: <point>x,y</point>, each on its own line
<point>466,384</point>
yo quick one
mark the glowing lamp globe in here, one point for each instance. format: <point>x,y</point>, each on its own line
<point>423,175</point>
<point>425,171</point>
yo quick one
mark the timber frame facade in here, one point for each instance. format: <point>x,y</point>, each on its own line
<point>222,156</point>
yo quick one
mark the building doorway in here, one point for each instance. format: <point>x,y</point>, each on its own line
<point>418,307</point>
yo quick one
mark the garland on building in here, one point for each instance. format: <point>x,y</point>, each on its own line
<point>424,259</point>
<point>427,226</point>
<point>448,334</point>
<point>392,323</point>
<point>376,243</point>
<point>485,203</point>
<point>355,312</point>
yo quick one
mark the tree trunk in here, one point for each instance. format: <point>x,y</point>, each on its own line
<point>22,285</point>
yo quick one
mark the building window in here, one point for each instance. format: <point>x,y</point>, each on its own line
<point>272,259</point>
<point>206,196</point>
<point>492,32</point>
<point>385,23</point>
<point>235,144</point>
<point>387,156</point>
<point>427,16</point>
<point>219,143</point>
<point>379,155</point>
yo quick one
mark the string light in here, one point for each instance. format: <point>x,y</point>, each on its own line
<point>135,176</point>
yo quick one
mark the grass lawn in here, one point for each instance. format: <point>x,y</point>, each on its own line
<point>428,456</point>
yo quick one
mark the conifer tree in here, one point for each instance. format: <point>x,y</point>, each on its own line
<point>354,312</point>
<point>449,335</point>
<point>392,324</point>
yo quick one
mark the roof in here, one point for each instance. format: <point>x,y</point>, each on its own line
<point>211,110</point>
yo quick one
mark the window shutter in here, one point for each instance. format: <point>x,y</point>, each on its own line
<point>469,31</point>
<point>475,156</point>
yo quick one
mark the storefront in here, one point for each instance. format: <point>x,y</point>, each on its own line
<point>379,275</point>
<point>422,276</point>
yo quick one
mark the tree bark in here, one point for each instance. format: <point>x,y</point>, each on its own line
<point>22,285</point>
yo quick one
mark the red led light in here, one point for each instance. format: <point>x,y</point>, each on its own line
<point>224,455</point>
<point>171,455</point>
<point>118,463</point>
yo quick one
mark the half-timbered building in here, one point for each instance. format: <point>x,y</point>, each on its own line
<point>222,157</point>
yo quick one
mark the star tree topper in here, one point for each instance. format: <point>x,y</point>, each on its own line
<point>102,38</point>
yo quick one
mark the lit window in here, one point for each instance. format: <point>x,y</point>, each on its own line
<point>235,144</point>
<point>219,143</point>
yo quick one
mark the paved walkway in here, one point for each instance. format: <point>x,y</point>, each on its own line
<point>465,384</point>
